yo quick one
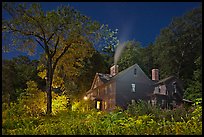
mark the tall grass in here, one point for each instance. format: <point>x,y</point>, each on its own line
<point>93,122</point>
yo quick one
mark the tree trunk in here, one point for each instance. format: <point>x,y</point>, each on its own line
<point>49,85</point>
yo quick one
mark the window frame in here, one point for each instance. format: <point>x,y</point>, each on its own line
<point>133,87</point>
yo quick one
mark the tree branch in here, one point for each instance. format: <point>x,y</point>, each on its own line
<point>64,51</point>
<point>43,32</point>
<point>40,44</point>
<point>24,33</point>
<point>50,37</point>
<point>55,47</point>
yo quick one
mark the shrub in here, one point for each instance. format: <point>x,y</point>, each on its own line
<point>93,122</point>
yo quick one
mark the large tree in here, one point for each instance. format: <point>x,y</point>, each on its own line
<point>146,59</point>
<point>179,45</point>
<point>54,31</point>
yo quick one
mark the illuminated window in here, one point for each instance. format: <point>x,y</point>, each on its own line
<point>105,105</point>
<point>98,103</point>
<point>133,87</point>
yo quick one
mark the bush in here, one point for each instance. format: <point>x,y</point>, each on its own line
<point>93,122</point>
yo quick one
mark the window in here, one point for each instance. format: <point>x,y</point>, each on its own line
<point>174,86</point>
<point>110,103</point>
<point>105,105</point>
<point>98,103</point>
<point>133,87</point>
<point>163,103</point>
<point>133,101</point>
<point>110,87</point>
<point>166,92</point>
<point>159,89</point>
<point>149,102</point>
<point>154,101</point>
<point>135,71</point>
<point>106,90</point>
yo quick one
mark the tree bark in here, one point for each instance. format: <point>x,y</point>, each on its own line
<point>49,85</point>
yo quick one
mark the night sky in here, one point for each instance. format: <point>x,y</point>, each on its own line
<point>140,21</point>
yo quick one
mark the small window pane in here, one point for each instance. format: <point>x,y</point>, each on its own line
<point>135,71</point>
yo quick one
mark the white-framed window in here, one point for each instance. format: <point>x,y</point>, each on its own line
<point>159,88</point>
<point>133,87</point>
<point>154,101</point>
<point>174,86</point>
<point>149,102</point>
<point>133,101</point>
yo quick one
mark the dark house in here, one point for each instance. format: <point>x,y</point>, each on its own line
<point>131,85</point>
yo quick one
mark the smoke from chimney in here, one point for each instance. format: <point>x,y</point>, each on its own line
<point>118,52</point>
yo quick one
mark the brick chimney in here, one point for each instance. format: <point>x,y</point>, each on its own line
<point>155,74</point>
<point>114,70</point>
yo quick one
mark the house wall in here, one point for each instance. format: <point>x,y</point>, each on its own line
<point>124,94</point>
<point>105,94</point>
<point>108,98</point>
<point>160,89</point>
<point>97,83</point>
<point>173,98</point>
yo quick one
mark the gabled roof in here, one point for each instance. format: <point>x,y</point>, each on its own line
<point>165,80</point>
<point>126,70</point>
<point>104,77</point>
<point>168,79</point>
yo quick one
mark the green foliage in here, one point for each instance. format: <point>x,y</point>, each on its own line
<point>130,55</point>
<point>66,36</point>
<point>15,73</point>
<point>147,60</point>
<point>179,45</point>
<point>141,108</point>
<point>82,106</point>
<point>33,100</point>
<point>59,103</point>
<point>92,122</point>
<point>194,89</point>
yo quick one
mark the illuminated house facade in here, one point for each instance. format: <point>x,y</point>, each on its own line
<point>131,85</point>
